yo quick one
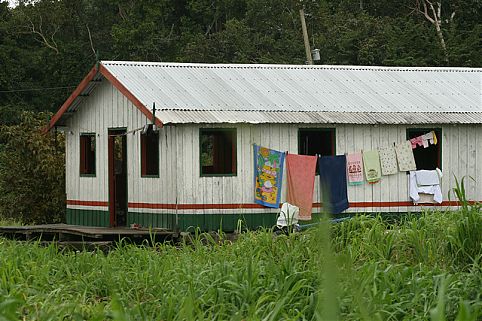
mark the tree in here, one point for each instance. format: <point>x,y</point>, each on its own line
<point>433,13</point>
<point>32,171</point>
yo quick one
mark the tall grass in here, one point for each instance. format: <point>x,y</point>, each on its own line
<point>421,268</point>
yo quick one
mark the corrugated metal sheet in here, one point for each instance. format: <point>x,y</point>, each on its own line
<point>262,117</point>
<point>198,93</point>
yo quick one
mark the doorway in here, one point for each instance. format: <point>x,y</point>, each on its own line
<point>117,177</point>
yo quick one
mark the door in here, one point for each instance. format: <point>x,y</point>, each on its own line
<point>117,177</point>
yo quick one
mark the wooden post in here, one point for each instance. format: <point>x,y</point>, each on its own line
<point>309,59</point>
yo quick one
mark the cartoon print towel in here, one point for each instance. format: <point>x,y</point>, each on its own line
<point>354,168</point>
<point>371,162</point>
<point>301,171</point>
<point>388,160</point>
<point>406,161</point>
<point>268,175</point>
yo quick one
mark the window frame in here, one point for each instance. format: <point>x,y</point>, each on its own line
<point>94,173</point>
<point>143,138</point>
<point>332,130</point>
<point>234,160</point>
<point>438,131</point>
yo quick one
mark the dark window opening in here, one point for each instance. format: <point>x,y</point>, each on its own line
<point>316,141</point>
<point>150,154</point>
<point>87,154</point>
<point>427,158</point>
<point>218,151</point>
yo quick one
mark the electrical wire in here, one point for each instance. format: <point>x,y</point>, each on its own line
<point>35,89</point>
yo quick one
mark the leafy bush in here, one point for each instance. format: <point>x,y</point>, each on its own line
<point>32,171</point>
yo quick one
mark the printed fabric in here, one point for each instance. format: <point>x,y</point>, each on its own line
<point>417,141</point>
<point>333,183</point>
<point>354,168</point>
<point>371,162</point>
<point>301,170</point>
<point>388,160</point>
<point>406,161</point>
<point>268,175</point>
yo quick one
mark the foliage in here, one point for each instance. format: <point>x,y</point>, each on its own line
<point>50,44</point>
<point>372,271</point>
<point>32,186</point>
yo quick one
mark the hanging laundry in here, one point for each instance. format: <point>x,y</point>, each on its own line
<point>371,162</point>
<point>425,182</point>
<point>405,158</point>
<point>429,138</point>
<point>417,141</point>
<point>268,174</point>
<point>388,160</point>
<point>354,168</point>
<point>301,170</point>
<point>434,137</point>
<point>333,183</point>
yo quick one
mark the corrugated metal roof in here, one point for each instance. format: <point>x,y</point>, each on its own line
<point>213,93</point>
<point>234,93</point>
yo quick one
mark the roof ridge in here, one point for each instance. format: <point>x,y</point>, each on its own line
<point>287,66</point>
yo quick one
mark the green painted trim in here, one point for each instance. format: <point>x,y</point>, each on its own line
<point>150,176</point>
<point>235,142</point>
<point>186,222</point>
<point>88,175</point>
<point>87,217</point>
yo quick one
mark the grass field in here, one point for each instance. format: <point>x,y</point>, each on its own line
<point>424,267</point>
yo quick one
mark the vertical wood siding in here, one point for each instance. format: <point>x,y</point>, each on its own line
<point>180,183</point>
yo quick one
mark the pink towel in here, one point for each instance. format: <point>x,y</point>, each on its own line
<point>301,182</point>
<point>354,168</point>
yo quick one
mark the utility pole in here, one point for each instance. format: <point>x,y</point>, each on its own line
<point>309,59</point>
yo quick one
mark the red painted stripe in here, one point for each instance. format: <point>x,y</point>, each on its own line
<point>80,88</point>
<point>252,205</point>
<point>87,203</point>
<point>117,84</point>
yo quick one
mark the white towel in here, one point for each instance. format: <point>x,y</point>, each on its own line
<point>415,189</point>
<point>426,177</point>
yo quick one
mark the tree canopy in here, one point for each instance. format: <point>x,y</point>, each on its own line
<point>47,46</point>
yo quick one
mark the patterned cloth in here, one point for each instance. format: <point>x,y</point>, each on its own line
<point>388,160</point>
<point>268,175</point>
<point>371,162</point>
<point>406,161</point>
<point>354,168</point>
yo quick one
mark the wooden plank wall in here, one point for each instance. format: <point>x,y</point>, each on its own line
<point>179,181</point>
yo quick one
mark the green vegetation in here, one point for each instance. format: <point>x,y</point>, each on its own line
<point>416,269</point>
<point>32,172</point>
<point>51,44</point>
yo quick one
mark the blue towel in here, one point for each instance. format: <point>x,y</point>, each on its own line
<point>333,183</point>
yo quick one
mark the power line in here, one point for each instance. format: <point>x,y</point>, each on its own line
<point>35,89</point>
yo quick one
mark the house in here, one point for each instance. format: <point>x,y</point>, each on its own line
<point>195,166</point>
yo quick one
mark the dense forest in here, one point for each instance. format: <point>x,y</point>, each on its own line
<point>47,46</point>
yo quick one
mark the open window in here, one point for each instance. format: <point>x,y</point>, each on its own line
<point>87,154</point>
<point>430,157</point>
<point>316,141</point>
<point>218,151</point>
<point>150,154</point>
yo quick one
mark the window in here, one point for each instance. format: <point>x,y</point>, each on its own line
<point>431,157</point>
<point>87,154</point>
<point>150,154</point>
<point>313,141</point>
<point>218,152</point>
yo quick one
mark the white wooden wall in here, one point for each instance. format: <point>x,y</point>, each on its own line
<point>179,181</point>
